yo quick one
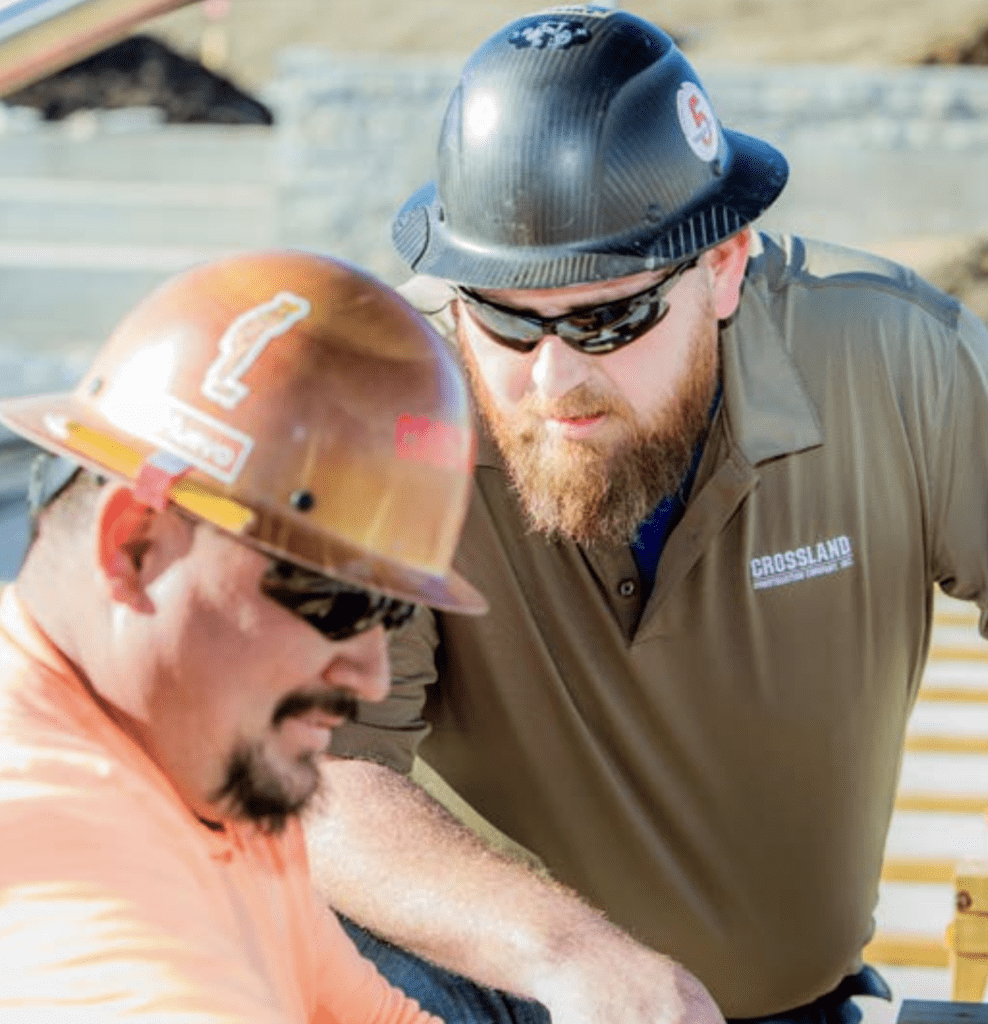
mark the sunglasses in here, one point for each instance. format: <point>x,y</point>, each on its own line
<point>594,330</point>
<point>336,609</point>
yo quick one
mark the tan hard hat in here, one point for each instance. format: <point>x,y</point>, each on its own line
<point>294,401</point>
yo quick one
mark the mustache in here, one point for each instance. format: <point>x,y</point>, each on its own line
<point>582,401</point>
<point>338,703</point>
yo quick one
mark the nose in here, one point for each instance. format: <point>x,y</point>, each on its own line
<point>361,665</point>
<point>558,368</point>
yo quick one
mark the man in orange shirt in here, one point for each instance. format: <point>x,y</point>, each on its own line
<point>270,465</point>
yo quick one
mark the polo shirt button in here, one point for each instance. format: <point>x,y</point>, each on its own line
<point>626,588</point>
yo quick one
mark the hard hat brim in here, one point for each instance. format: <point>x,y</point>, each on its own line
<point>752,179</point>
<point>68,425</point>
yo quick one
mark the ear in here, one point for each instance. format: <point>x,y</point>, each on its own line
<point>726,263</point>
<point>132,547</point>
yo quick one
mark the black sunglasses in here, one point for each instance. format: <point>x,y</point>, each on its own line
<point>338,610</point>
<point>594,330</point>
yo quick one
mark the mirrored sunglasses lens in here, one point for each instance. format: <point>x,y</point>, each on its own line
<point>398,614</point>
<point>599,318</point>
<point>336,610</point>
<point>506,325</point>
<point>618,331</point>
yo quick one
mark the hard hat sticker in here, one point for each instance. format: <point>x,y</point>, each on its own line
<point>244,340</point>
<point>549,34</point>
<point>696,118</point>
<point>446,445</point>
<point>211,445</point>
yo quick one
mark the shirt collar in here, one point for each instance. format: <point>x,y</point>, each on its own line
<point>18,624</point>
<point>768,410</point>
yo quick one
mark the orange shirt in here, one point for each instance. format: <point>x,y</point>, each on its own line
<point>118,904</point>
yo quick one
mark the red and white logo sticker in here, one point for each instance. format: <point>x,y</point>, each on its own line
<point>244,340</point>
<point>696,118</point>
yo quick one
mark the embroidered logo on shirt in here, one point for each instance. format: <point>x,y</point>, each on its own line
<point>804,563</point>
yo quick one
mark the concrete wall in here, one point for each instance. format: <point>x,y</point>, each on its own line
<point>875,153</point>
<point>96,210</point>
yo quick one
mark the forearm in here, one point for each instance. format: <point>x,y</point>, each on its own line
<point>387,855</point>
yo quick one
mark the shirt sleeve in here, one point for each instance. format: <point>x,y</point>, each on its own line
<point>104,919</point>
<point>957,467</point>
<point>390,732</point>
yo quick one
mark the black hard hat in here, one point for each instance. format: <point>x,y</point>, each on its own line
<point>580,146</point>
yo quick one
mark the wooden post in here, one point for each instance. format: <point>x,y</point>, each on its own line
<point>967,936</point>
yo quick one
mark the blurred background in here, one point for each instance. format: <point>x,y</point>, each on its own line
<point>163,137</point>
<point>140,136</point>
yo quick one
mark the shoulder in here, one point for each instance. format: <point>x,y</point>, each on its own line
<point>830,306</point>
<point>67,770</point>
<point>850,283</point>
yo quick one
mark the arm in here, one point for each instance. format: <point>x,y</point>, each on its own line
<point>954,443</point>
<point>431,886</point>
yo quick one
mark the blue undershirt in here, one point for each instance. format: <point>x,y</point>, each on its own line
<point>654,530</point>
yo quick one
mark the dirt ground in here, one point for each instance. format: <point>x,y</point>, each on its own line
<point>722,31</point>
<point>246,36</point>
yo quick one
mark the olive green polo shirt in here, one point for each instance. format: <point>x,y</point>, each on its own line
<point>716,766</point>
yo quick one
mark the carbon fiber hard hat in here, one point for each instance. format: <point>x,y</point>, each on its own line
<point>581,146</point>
<point>292,401</point>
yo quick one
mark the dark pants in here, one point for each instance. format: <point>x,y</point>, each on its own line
<point>459,1001</point>
<point>450,996</point>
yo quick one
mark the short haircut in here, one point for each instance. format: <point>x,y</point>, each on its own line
<point>60,490</point>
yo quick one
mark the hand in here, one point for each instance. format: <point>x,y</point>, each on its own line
<point>618,981</point>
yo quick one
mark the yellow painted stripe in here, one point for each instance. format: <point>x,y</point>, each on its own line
<point>933,743</point>
<point>102,448</point>
<point>930,870</point>
<point>959,652</point>
<point>907,949</point>
<point>956,618</point>
<point>947,803</point>
<point>954,694</point>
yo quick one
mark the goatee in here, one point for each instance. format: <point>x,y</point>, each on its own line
<point>254,789</point>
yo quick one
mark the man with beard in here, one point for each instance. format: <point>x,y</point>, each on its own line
<point>722,473</point>
<point>220,548</point>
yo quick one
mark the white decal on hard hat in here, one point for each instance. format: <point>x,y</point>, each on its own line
<point>549,34</point>
<point>696,118</point>
<point>209,444</point>
<point>244,340</point>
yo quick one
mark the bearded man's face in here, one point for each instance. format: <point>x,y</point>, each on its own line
<point>593,443</point>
